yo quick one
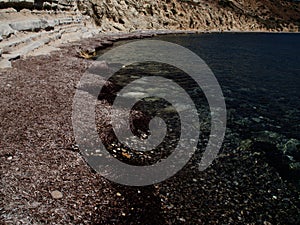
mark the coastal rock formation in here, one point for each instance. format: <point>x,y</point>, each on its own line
<point>203,15</point>
<point>34,27</point>
<point>40,4</point>
<point>28,25</point>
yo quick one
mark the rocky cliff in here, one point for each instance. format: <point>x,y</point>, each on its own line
<point>203,15</point>
<point>31,25</point>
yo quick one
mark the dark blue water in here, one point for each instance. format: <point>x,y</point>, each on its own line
<point>259,75</point>
<point>260,78</point>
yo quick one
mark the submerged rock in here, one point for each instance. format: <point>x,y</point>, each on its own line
<point>269,136</point>
<point>292,148</point>
<point>285,165</point>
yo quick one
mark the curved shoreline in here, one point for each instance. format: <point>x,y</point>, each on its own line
<point>38,158</point>
<point>46,48</point>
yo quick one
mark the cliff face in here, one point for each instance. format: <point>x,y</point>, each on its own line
<point>203,15</point>
<point>240,15</point>
<point>56,22</point>
<point>33,27</point>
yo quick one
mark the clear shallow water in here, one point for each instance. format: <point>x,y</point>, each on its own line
<point>259,75</point>
<point>260,78</point>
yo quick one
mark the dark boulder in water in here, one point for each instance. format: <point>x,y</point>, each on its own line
<point>292,148</point>
<point>276,158</point>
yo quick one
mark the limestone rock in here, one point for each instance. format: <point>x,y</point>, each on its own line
<point>29,25</point>
<point>8,10</point>
<point>4,63</point>
<point>201,15</point>
<point>5,30</point>
<point>25,11</point>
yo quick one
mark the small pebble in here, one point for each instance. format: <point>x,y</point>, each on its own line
<point>56,194</point>
<point>257,120</point>
<point>119,194</point>
<point>9,158</point>
<point>34,205</point>
<point>126,155</point>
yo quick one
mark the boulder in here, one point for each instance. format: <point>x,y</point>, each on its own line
<point>5,63</point>
<point>269,136</point>
<point>6,30</point>
<point>118,26</point>
<point>292,148</point>
<point>30,25</point>
<point>53,23</point>
<point>8,10</point>
<point>25,11</point>
<point>66,20</point>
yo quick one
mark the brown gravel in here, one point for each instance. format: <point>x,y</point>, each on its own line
<point>37,158</point>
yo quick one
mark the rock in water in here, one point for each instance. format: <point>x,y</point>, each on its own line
<point>292,147</point>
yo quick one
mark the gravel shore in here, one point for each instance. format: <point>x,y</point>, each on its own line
<point>44,179</point>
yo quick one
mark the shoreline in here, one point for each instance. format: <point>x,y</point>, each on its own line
<point>38,158</point>
<point>6,59</point>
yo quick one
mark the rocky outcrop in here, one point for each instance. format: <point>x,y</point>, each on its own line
<point>203,15</point>
<point>26,31</point>
<point>40,4</point>
<point>30,24</point>
<point>280,153</point>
